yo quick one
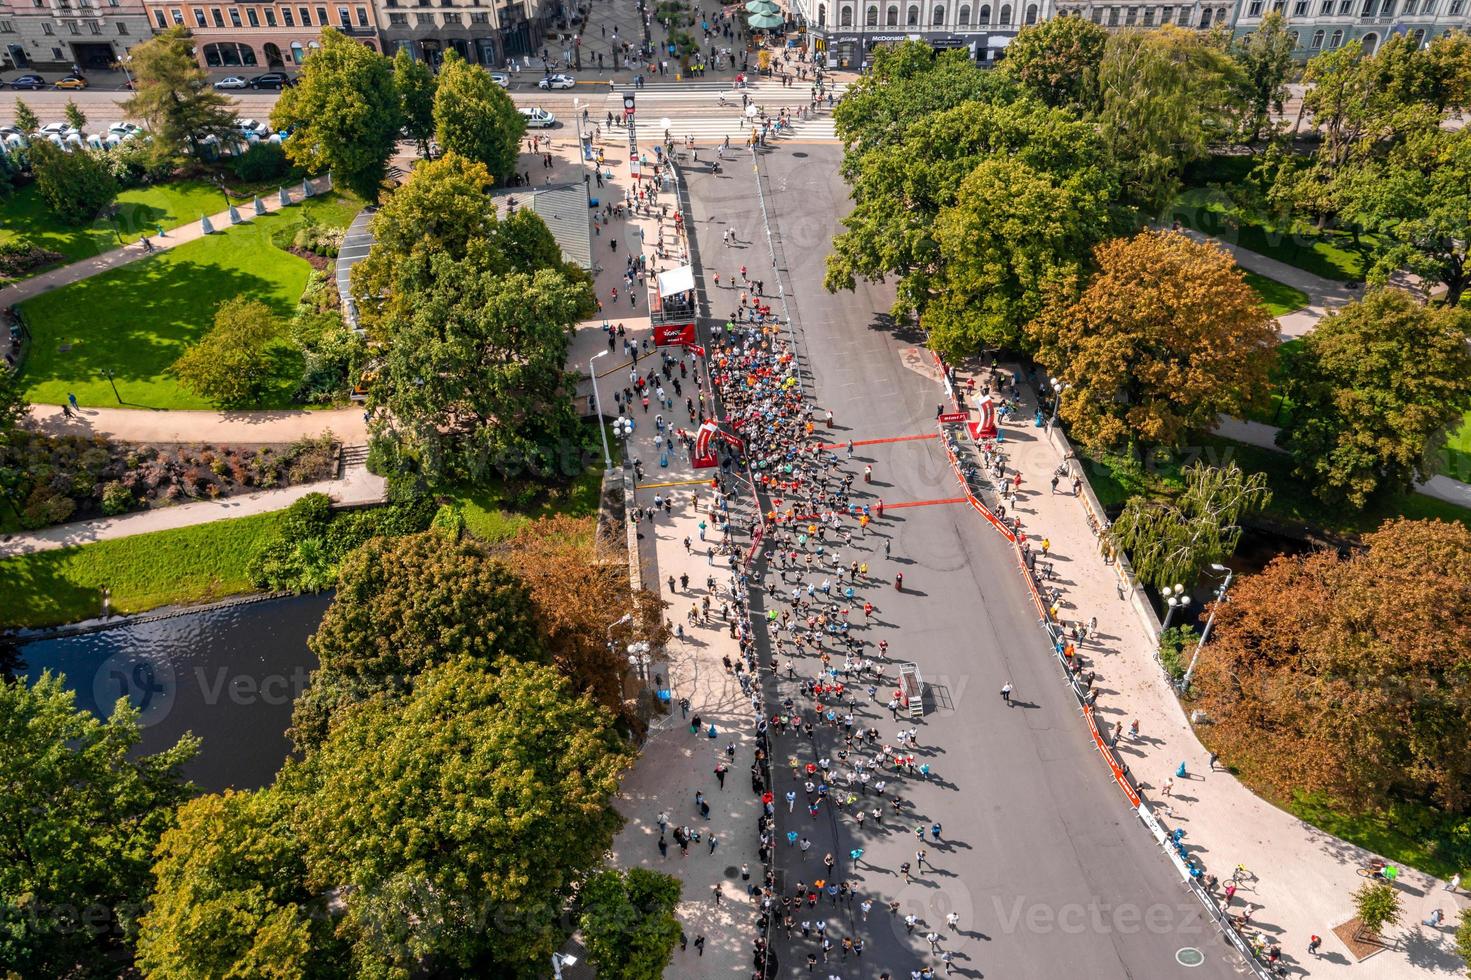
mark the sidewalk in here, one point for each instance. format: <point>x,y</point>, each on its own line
<point>357,486</point>
<point>1324,295</point>
<point>1306,877</point>
<point>178,425</point>
<point>674,763</point>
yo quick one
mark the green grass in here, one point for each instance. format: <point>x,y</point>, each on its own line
<point>24,214</point>
<point>1329,254</point>
<point>1458,451</point>
<point>136,320</point>
<point>184,565</point>
<point>491,515</point>
<point>1116,478</point>
<point>1278,297</point>
<point>1409,834</point>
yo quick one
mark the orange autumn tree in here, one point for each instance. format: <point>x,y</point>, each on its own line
<point>1166,337</point>
<point>1348,676</point>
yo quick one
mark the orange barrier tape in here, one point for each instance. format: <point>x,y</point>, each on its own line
<point>873,442</point>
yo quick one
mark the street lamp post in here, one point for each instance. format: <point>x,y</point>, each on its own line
<point>1220,598</point>
<point>1057,389</point>
<point>598,403</point>
<point>1175,599</point>
<point>113,382</point>
<point>639,659</point>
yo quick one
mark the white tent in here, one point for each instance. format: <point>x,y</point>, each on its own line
<point>677,281</point>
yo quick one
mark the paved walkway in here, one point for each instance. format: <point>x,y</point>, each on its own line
<point>144,425</point>
<point>1303,878</point>
<point>1323,294</point>
<point>357,486</point>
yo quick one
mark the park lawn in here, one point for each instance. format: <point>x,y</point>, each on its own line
<point>1275,409</point>
<point>1115,479</point>
<point>184,565</point>
<point>24,214</point>
<point>1329,254</point>
<point>1458,451</point>
<point>137,319</point>
<point>492,516</point>
<point>1278,297</point>
<point>1409,834</point>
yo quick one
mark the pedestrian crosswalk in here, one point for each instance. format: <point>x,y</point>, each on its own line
<point>699,91</point>
<point>711,129</point>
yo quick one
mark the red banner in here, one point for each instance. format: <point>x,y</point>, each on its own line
<point>954,417</point>
<point>704,456</point>
<point>986,428</point>
<point>674,334</point>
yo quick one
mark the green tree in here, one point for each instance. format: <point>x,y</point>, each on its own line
<point>174,99</point>
<point>1166,94</point>
<point>1418,201</point>
<point>25,118</point>
<point>443,206</point>
<point>1170,542</point>
<point>473,379</point>
<point>1448,71</point>
<point>475,117</point>
<point>75,118</point>
<point>382,809</point>
<point>231,365</point>
<point>1374,389</point>
<point>77,185</point>
<point>80,816</point>
<point>230,896</point>
<point>344,113</point>
<point>1057,62</point>
<point>1463,937</point>
<point>1013,238</point>
<point>900,191</point>
<point>415,84</point>
<point>906,83</point>
<point>1264,60</point>
<point>1165,339</point>
<point>628,924</point>
<point>12,399</point>
<point>1377,905</point>
<point>1320,655</point>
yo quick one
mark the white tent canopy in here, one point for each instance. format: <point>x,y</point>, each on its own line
<point>677,281</point>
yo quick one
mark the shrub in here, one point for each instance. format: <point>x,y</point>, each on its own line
<point>116,499</point>
<point>1175,645</point>
<point>306,518</point>
<point>263,161</point>
<point>44,508</point>
<point>20,257</point>
<point>77,185</point>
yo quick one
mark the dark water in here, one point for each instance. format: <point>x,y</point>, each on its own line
<point>228,675</point>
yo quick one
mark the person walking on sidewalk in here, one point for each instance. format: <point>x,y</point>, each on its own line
<point>1006,690</point>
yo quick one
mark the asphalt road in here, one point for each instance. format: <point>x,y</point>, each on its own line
<point>1049,871</point>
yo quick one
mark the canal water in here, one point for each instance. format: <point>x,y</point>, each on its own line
<point>228,674</point>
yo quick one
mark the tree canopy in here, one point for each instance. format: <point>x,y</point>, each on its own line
<point>1373,389</point>
<point>174,99</point>
<point>1057,62</point>
<point>343,113</point>
<point>1346,675</point>
<point>79,819</point>
<point>453,824</point>
<point>1264,60</point>
<point>1166,337</point>
<point>415,84</point>
<point>230,896</point>
<point>628,924</point>
<point>475,117</point>
<point>231,365</point>
<point>76,184</point>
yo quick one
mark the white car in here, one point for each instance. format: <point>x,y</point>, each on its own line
<point>557,81</point>
<point>57,129</point>
<point>232,81</point>
<point>122,130</point>
<point>539,118</point>
<point>501,79</point>
<point>253,127</point>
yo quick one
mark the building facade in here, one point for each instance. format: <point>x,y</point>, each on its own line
<point>847,31</point>
<point>1199,14</point>
<point>1323,25</point>
<point>483,32</point>
<point>57,34</point>
<point>262,35</point>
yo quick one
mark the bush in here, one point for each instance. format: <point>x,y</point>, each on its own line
<point>46,507</point>
<point>20,257</point>
<point>331,355</point>
<point>116,499</point>
<point>76,185</point>
<point>1175,645</point>
<point>263,161</point>
<point>310,459</point>
<point>449,521</point>
<point>313,541</point>
<point>307,518</point>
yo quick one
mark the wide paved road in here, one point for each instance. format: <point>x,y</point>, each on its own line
<point>1048,869</point>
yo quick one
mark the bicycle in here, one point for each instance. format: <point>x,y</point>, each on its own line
<point>1242,874</point>
<point>1374,869</point>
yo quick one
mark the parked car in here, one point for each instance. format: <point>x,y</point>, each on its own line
<point>538,118</point>
<point>122,130</point>
<point>31,82</point>
<point>557,81</point>
<point>253,127</point>
<point>57,129</point>
<point>272,79</point>
<point>70,81</point>
<point>232,81</point>
<point>501,79</point>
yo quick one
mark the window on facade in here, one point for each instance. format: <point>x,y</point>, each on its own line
<point>287,17</point>
<point>95,26</point>
<point>344,17</point>
<point>1097,15</point>
<point>845,16</point>
<point>1148,16</point>
<point>1031,14</point>
<point>7,27</point>
<point>177,15</point>
<point>215,15</point>
<point>270,13</point>
<point>1454,10</point>
<point>965,15</point>
<point>1254,9</point>
<point>321,16</point>
<point>1113,17</point>
<point>252,17</point>
<point>298,54</point>
<point>451,20</point>
<point>1367,10</point>
<point>1317,40</point>
<point>362,16</point>
<point>911,18</point>
<point>1345,7</point>
<point>937,16</point>
<point>160,20</point>
<point>235,17</point>
<point>122,27</point>
<point>1336,40</point>
<point>47,29</point>
<point>74,27</point>
<point>871,18</point>
<point>1292,36</point>
<point>1300,9</point>
<point>985,13</point>
<point>306,16</point>
<point>892,17</point>
<point>1205,18</point>
<point>199,20</point>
